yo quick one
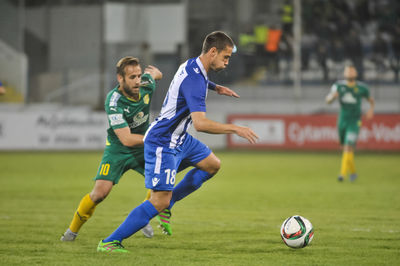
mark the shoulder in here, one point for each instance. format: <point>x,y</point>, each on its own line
<point>113,101</point>
<point>341,82</point>
<point>113,97</point>
<point>147,82</point>
<point>336,85</point>
<point>362,85</point>
<point>193,71</point>
<point>339,86</point>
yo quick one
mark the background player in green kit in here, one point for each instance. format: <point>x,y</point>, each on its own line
<point>127,107</point>
<point>350,93</point>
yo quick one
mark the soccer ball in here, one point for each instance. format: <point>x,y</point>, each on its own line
<point>297,231</point>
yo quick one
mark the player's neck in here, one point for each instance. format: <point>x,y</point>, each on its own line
<point>134,97</point>
<point>351,83</point>
<point>205,62</point>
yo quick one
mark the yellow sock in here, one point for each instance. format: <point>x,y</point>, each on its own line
<point>351,165</point>
<point>344,165</point>
<point>83,213</point>
<point>148,195</point>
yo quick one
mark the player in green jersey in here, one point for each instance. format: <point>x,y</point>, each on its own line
<point>350,93</point>
<point>127,107</point>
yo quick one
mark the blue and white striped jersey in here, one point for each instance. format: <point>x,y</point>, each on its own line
<point>187,93</point>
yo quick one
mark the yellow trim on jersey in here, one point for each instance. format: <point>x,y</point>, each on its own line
<point>133,100</point>
<point>107,142</point>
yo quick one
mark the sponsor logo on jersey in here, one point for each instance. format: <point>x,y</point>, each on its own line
<point>139,119</point>
<point>155,181</point>
<point>146,99</point>
<point>114,98</point>
<point>349,98</point>
<point>196,69</point>
<point>116,119</point>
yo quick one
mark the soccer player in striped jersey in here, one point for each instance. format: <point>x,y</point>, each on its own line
<point>350,93</point>
<point>169,148</point>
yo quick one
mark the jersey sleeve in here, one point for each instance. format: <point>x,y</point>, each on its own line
<point>211,85</point>
<point>148,82</point>
<point>194,90</point>
<point>334,88</point>
<point>115,115</point>
<point>366,94</point>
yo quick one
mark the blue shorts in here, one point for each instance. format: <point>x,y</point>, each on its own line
<point>163,163</point>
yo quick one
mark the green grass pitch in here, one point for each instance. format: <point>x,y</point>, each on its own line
<point>234,219</point>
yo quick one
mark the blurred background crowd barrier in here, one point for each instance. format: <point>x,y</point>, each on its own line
<point>60,55</point>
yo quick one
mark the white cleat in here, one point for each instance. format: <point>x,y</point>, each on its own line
<point>148,231</point>
<point>68,236</point>
<point>353,177</point>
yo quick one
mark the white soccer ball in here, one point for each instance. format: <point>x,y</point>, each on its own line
<point>297,231</point>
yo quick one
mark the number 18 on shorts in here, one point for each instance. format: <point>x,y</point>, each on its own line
<point>161,168</point>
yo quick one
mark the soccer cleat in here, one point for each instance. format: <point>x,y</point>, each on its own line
<point>353,177</point>
<point>113,246</point>
<point>164,219</point>
<point>148,231</point>
<point>68,236</point>
<point>340,178</point>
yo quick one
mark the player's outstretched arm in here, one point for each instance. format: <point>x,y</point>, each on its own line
<point>370,112</point>
<point>154,72</point>
<point>127,138</point>
<point>331,97</point>
<point>222,90</point>
<point>202,124</point>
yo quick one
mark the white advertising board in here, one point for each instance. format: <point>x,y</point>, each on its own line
<point>52,131</point>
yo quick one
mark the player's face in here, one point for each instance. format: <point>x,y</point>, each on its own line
<point>221,60</point>
<point>131,81</point>
<point>350,73</point>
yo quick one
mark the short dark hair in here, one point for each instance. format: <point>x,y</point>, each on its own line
<point>217,39</point>
<point>126,61</point>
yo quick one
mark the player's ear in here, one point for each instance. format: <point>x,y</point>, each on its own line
<point>119,78</point>
<point>213,51</point>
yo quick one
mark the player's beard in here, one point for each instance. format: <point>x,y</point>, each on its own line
<point>129,91</point>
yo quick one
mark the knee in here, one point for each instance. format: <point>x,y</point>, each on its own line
<point>214,166</point>
<point>98,196</point>
<point>161,202</point>
<point>100,191</point>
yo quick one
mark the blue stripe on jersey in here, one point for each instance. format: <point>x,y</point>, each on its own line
<point>187,93</point>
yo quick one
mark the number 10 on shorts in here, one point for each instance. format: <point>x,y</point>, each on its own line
<point>104,169</point>
<point>170,176</point>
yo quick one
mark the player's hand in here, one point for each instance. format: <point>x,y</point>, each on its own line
<point>154,72</point>
<point>370,114</point>
<point>247,133</point>
<point>222,90</point>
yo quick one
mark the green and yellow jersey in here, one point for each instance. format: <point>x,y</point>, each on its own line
<point>350,99</point>
<point>125,112</point>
